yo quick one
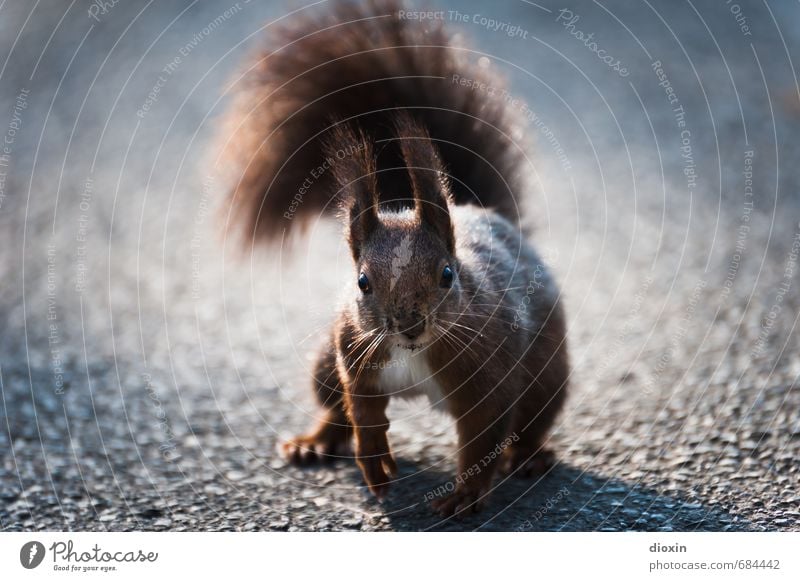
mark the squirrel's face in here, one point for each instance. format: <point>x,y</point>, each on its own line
<point>406,269</point>
<point>407,279</point>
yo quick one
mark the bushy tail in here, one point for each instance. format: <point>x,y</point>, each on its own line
<point>361,62</point>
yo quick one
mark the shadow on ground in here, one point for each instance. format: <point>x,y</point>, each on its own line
<point>567,499</point>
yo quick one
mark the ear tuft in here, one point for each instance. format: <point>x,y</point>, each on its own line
<point>429,181</point>
<point>350,156</point>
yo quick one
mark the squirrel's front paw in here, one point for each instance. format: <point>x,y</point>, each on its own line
<point>378,467</point>
<point>329,442</point>
<point>463,501</point>
<point>527,464</point>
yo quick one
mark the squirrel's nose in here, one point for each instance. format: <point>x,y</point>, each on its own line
<point>412,329</point>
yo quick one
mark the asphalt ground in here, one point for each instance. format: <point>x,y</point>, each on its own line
<point>148,369</point>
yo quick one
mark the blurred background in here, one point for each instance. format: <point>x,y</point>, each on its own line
<point>148,367</point>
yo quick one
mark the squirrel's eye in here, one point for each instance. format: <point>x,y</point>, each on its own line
<point>363,283</point>
<point>447,277</point>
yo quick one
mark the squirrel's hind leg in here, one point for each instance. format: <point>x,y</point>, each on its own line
<point>536,410</point>
<point>529,454</point>
<point>330,439</point>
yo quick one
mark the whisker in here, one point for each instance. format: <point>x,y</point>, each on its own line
<point>491,305</point>
<point>490,292</point>
<point>370,351</point>
<point>467,327</point>
<point>499,316</point>
<point>458,343</point>
<point>366,350</point>
<point>314,333</point>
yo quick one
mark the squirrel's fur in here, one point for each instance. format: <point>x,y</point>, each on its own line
<point>452,301</point>
<point>357,61</point>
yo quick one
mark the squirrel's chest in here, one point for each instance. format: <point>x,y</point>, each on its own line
<point>408,374</point>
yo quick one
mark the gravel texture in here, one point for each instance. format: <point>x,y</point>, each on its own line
<point>148,369</point>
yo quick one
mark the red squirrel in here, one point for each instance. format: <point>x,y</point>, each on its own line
<point>383,117</point>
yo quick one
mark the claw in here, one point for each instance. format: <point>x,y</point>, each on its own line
<point>322,446</point>
<point>527,465</point>
<point>378,470</point>
<point>460,503</point>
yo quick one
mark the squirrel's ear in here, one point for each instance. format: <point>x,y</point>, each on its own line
<point>428,179</point>
<point>350,155</point>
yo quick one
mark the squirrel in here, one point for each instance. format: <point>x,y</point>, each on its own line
<point>404,134</point>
